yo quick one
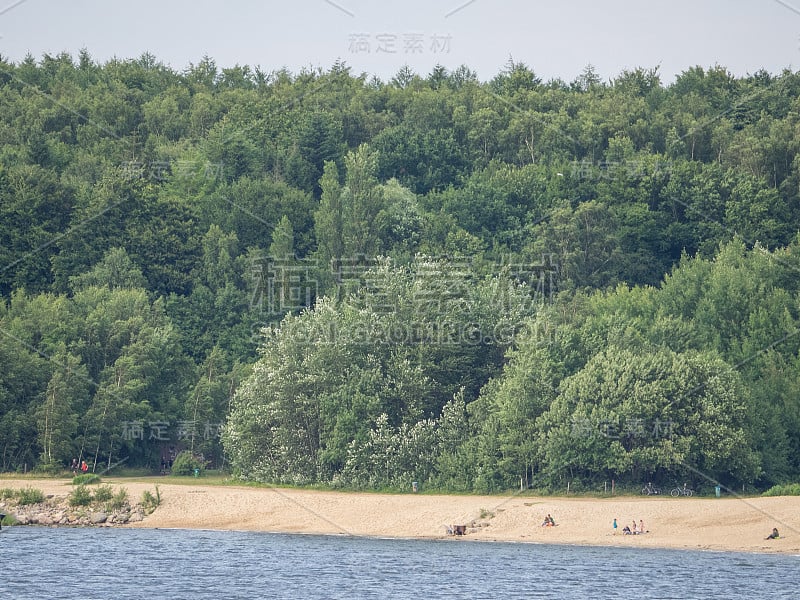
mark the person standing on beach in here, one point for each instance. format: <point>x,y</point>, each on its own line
<point>614,525</point>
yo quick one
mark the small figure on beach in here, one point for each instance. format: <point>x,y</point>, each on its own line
<point>626,530</point>
<point>614,525</point>
<point>641,526</point>
<point>548,521</point>
<point>635,528</point>
<point>774,535</point>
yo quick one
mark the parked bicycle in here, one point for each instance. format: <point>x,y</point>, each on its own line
<point>650,490</point>
<point>684,491</point>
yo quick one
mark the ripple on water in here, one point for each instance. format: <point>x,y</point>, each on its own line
<point>199,565</point>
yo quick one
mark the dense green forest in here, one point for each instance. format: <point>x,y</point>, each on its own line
<point>327,278</point>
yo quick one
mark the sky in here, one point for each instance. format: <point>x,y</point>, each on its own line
<point>554,39</point>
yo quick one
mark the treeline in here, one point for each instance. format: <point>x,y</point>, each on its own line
<point>696,379</point>
<point>462,282</point>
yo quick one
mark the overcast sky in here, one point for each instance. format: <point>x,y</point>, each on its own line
<point>555,39</point>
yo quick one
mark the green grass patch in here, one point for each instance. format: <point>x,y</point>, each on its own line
<point>129,472</point>
<point>151,501</point>
<point>786,489</point>
<point>118,500</point>
<point>103,494</point>
<point>29,495</point>
<point>86,479</point>
<point>9,520</point>
<point>7,493</point>
<point>80,496</point>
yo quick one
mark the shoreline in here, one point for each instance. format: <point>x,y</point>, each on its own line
<point>710,524</point>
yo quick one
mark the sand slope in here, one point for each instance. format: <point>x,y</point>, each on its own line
<point>687,523</point>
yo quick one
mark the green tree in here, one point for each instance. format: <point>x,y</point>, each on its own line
<point>65,399</point>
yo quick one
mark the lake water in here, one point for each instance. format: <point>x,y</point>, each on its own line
<point>43,563</point>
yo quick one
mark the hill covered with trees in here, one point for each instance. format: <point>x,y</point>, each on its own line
<point>324,277</point>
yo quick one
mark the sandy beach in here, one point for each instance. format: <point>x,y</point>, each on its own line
<point>720,524</point>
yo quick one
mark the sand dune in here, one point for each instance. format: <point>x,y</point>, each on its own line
<point>728,524</point>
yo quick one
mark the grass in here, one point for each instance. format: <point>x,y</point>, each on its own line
<point>786,489</point>
<point>86,479</point>
<point>29,495</point>
<point>80,496</point>
<point>149,501</point>
<point>103,494</point>
<point>118,500</point>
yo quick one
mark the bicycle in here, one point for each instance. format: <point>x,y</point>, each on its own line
<point>650,490</point>
<point>684,491</point>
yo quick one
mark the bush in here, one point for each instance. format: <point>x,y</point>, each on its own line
<point>103,494</point>
<point>8,520</point>
<point>86,479</point>
<point>29,495</point>
<point>185,464</point>
<point>786,489</point>
<point>118,500</point>
<point>7,493</point>
<point>80,496</point>
<point>149,501</point>
<point>52,468</point>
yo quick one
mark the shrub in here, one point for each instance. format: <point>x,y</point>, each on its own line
<point>8,520</point>
<point>52,468</point>
<point>118,500</point>
<point>80,496</point>
<point>149,501</point>
<point>185,464</point>
<point>7,493</point>
<point>85,479</point>
<point>29,495</point>
<point>787,489</point>
<point>103,494</point>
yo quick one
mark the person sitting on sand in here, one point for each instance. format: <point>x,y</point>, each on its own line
<point>548,521</point>
<point>774,535</point>
<point>626,530</point>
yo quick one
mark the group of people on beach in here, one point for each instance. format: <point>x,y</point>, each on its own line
<point>633,529</point>
<point>84,468</point>
<point>548,521</point>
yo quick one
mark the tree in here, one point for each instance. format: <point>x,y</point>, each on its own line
<point>362,200</point>
<point>116,270</point>
<point>57,418</point>
<point>649,415</point>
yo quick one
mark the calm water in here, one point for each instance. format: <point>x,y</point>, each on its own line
<point>42,563</point>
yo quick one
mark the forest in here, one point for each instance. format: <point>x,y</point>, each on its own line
<point>325,278</point>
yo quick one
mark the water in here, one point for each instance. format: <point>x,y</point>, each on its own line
<point>42,563</point>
